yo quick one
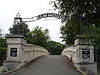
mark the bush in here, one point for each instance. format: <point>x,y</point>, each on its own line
<point>3,52</point>
<point>2,42</point>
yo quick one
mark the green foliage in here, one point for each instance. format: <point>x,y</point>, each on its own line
<point>87,13</point>
<point>85,10</point>
<point>55,48</point>
<point>3,70</point>
<point>20,28</point>
<point>2,42</point>
<point>94,34</point>
<point>38,36</point>
<point>3,50</point>
<point>69,32</point>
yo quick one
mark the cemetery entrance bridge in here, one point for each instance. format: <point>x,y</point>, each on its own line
<point>29,59</point>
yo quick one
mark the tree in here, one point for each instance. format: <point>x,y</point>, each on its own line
<point>38,36</point>
<point>94,34</point>
<point>3,50</point>
<point>20,28</point>
<point>2,42</point>
<point>54,47</point>
<point>87,11</point>
<point>69,32</point>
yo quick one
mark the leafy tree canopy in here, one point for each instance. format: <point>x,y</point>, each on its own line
<point>85,10</point>
<point>2,42</point>
<point>20,28</point>
<point>94,34</point>
<point>3,50</point>
<point>54,47</point>
<point>38,36</point>
<point>69,32</point>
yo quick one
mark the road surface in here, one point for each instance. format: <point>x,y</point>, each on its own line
<point>48,65</point>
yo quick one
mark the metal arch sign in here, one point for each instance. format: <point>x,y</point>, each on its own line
<point>45,15</point>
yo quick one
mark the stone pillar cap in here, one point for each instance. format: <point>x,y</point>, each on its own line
<point>15,36</point>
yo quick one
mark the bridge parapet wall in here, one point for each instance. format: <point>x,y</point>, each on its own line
<point>31,52</point>
<point>19,52</point>
<point>82,54</point>
<point>70,52</point>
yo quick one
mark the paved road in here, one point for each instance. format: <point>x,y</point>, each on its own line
<point>49,65</point>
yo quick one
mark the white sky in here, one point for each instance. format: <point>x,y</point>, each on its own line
<point>28,9</point>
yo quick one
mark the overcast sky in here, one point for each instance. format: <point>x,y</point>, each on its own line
<point>28,9</point>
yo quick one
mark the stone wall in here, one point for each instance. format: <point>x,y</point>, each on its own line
<point>82,54</point>
<point>70,52</point>
<point>19,52</point>
<point>31,52</point>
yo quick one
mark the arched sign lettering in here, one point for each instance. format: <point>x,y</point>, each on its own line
<point>18,19</point>
<point>45,15</point>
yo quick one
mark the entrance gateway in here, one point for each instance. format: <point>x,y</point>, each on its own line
<point>18,19</point>
<point>82,53</point>
<point>18,51</point>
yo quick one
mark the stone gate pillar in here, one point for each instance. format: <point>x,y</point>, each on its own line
<point>85,50</point>
<point>14,46</point>
<point>14,51</point>
<point>85,55</point>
